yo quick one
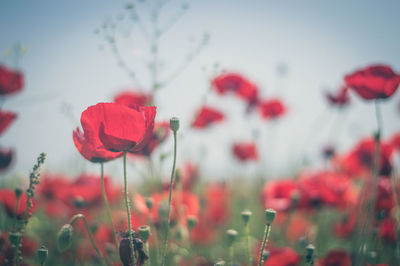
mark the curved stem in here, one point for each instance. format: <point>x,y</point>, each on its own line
<point>81,216</point>
<point>266,235</point>
<point>128,212</point>
<point>169,204</point>
<point>105,200</point>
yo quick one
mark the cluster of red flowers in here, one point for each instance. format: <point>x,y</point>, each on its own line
<point>11,82</point>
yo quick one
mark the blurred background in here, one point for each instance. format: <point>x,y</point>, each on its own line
<point>296,51</point>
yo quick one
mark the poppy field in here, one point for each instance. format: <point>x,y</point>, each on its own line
<point>142,192</point>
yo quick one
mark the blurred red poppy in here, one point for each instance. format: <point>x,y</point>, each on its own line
<point>88,143</point>
<point>374,82</point>
<point>340,98</point>
<point>133,98</point>
<point>245,151</point>
<point>272,108</point>
<point>282,256</point>
<point>123,128</point>
<point>11,81</point>
<point>334,258</point>
<point>395,141</point>
<point>207,116</point>
<point>280,195</point>
<point>6,157</point>
<point>387,231</point>
<point>217,210</point>
<point>9,202</point>
<point>159,135</point>
<point>6,118</point>
<point>236,83</point>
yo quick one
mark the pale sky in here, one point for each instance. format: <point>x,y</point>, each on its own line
<point>319,41</point>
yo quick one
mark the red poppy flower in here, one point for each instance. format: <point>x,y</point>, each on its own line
<point>203,233</point>
<point>384,199</point>
<point>340,98</point>
<point>6,118</point>
<point>11,81</point>
<point>218,200</point>
<point>245,151</point>
<point>326,189</point>
<point>88,143</point>
<point>298,227</point>
<point>282,256</point>
<point>123,128</point>
<point>279,194</point>
<point>395,141</point>
<point>130,98</point>
<point>387,231</point>
<point>359,160</point>
<point>160,134</point>
<point>236,83</point>
<point>345,227</point>
<point>336,257</point>
<point>6,156</point>
<point>206,117</point>
<point>271,109</point>
<point>9,201</point>
<point>373,82</point>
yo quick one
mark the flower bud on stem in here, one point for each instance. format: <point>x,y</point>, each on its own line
<point>269,216</point>
<point>174,125</point>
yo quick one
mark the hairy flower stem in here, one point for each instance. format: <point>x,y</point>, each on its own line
<point>164,256</point>
<point>128,212</point>
<point>246,230</point>
<point>266,235</point>
<point>81,216</point>
<point>105,200</point>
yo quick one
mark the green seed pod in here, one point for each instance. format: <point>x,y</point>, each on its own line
<point>174,124</point>
<point>231,236</point>
<point>270,215</point>
<point>191,221</point>
<point>149,203</point>
<point>42,253</point>
<point>64,237</point>
<point>15,238</point>
<point>144,232</point>
<point>246,214</point>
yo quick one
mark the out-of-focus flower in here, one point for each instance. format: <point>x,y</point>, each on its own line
<point>359,160</point>
<point>6,157</point>
<point>131,98</point>
<point>123,128</point>
<point>9,202</point>
<point>271,109</point>
<point>237,84</point>
<point>384,198</point>
<point>395,141</point>
<point>345,227</point>
<point>280,194</point>
<point>387,231</point>
<point>160,134</point>
<point>245,151</point>
<point>374,82</point>
<point>29,246</point>
<point>207,116</point>
<point>217,199</point>
<point>6,118</point>
<point>340,98</point>
<point>190,175</point>
<point>11,81</point>
<point>298,227</point>
<point>335,257</point>
<point>282,256</point>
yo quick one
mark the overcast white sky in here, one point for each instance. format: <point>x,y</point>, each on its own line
<point>319,41</point>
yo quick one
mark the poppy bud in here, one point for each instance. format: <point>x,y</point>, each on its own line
<point>270,215</point>
<point>42,253</point>
<point>191,221</point>
<point>246,214</point>
<point>15,238</point>
<point>174,124</point>
<point>310,252</point>
<point>149,203</point>
<point>18,192</point>
<point>79,202</point>
<point>231,235</point>
<point>64,237</point>
<point>144,232</point>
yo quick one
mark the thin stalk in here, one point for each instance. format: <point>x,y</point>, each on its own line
<point>105,200</point>
<point>169,204</point>
<point>246,230</point>
<point>266,235</point>
<point>128,212</point>
<point>81,216</point>
<point>231,255</point>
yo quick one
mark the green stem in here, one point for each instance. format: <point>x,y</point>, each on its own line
<point>231,255</point>
<point>105,200</point>
<point>248,244</point>
<point>169,204</point>
<point>266,235</point>
<point>128,212</point>
<point>81,216</point>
